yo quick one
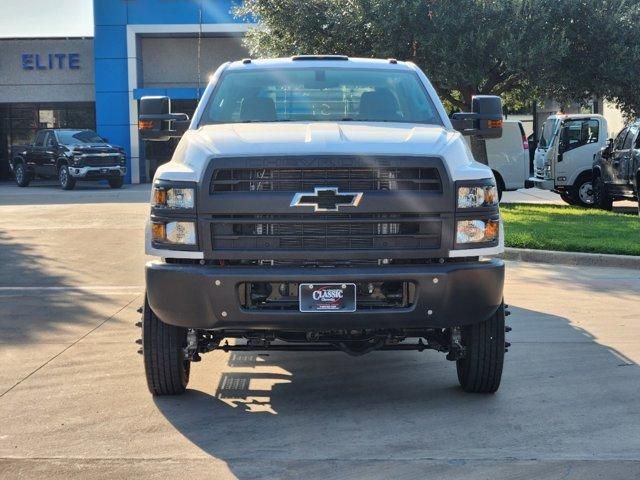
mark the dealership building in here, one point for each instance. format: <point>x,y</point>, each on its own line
<point>140,47</point>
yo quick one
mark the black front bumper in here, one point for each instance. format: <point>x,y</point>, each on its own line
<point>208,297</point>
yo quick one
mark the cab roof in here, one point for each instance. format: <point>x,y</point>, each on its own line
<point>311,61</point>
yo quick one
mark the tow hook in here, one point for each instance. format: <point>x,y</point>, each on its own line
<point>457,350</point>
<point>191,350</point>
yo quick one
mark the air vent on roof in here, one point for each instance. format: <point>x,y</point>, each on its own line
<point>319,57</point>
<point>246,60</point>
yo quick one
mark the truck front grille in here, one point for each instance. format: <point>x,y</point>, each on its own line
<point>101,161</point>
<point>406,209</point>
<point>364,179</point>
<point>326,232</point>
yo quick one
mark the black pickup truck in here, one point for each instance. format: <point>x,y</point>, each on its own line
<point>68,155</point>
<point>616,169</point>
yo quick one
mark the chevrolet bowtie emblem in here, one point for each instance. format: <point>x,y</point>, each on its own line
<point>326,199</point>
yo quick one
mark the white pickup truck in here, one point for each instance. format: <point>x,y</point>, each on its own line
<point>323,203</point>
<point>564,157</point>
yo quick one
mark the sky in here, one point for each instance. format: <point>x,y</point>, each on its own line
<point>46,18</point>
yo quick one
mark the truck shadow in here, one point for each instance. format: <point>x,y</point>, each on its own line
<point>264,414</point>
<point>39,305</point>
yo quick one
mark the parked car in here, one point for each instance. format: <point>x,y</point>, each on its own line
<point>68,155</point>
<point>509,157</point>
<point>616,169</point>
<point>356,222</point>
<point>564,157</point>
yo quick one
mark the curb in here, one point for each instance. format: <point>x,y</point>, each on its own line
<point>572,258</point>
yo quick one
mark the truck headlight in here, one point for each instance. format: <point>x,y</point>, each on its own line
<point>477,196</point>
<point>477,231</point>
<point>176,233</point>
<point>77,159</point>
<point>173,197</point>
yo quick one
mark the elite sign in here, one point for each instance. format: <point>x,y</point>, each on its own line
<point>51,61</point>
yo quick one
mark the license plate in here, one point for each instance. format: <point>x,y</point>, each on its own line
<point>327,297</point>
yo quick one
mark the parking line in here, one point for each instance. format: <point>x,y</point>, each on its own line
<point>67,348</point>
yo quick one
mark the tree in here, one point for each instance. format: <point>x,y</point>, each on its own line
<point>527,48</point>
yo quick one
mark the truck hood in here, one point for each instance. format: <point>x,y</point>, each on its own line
<point>309,137</point>
<point>318,138</point>
<point>94,148</point>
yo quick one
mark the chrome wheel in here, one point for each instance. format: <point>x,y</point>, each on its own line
<point>67,182</point>
<point>63,176</point>
<point>19,173</point>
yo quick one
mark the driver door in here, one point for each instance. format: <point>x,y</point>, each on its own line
<point>611,164</point>
<point>48,155</point>
<point>622,160</point>
<point>580,139</point>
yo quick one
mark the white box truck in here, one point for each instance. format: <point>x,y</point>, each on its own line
<point>564,157</point>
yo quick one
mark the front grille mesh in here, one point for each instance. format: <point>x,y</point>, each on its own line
<point>326,232</point>
<point>345,179</point>
<point>100,161</point>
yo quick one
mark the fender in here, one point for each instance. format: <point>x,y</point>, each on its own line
<point>61,161</point>
<point>596,170</point>
<point>14,161</point>
<point>571,180</point>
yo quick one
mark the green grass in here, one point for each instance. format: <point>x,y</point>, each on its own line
<point>570,229</point>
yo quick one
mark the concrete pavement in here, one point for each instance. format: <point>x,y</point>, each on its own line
<point>73,401</point>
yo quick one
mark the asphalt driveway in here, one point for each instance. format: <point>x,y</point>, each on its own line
<point>73,401</point>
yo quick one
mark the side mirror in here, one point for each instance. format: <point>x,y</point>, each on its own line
<point>157,123</point>
<point>608,150</point>
<point>484,120</point>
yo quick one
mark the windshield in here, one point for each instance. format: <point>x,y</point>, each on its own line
<point>320,95</point>
<point>548,129</point>
<point>77,137</point>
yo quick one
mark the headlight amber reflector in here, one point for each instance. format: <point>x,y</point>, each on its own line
<point>159,197</point>
<point>477,231</point>
<point>158,232</point>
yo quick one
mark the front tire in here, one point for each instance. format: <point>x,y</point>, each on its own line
<point>165,365</point>
<point>116,182</point>
<point>67,182</point>
<point>601,198</point>
<point>582,191</point>
<point>21,175</point>
<point>480,371</point>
